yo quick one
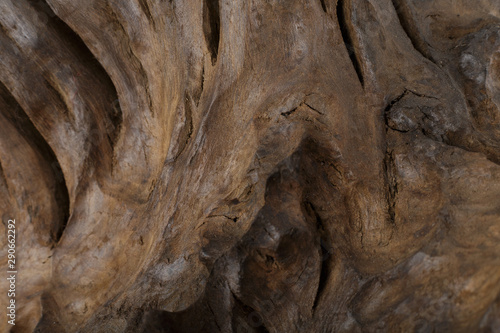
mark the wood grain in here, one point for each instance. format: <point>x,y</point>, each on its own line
<point>252,166</point>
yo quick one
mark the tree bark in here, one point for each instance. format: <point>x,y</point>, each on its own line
<point>251,166</point>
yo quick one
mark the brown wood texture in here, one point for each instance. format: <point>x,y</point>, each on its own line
<point>252,166</point>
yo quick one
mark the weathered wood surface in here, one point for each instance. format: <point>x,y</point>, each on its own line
<point>252,166</point>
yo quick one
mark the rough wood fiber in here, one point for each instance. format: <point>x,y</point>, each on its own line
<point>252,166</point>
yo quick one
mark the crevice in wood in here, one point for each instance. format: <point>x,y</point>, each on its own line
<point>211,27</point>
<point>311,210</point>
<point>405,92</point>
<point>302,104</point>
<point>312,108</point>
<point>323,278</point>
<point>394,101</point>
<point>3,179</point>
<point>214,316</point>
<point>408,24</point>
<point>287,113</point>
<point>202,85</point>
<point>20,120</point>
<point>343,16</point>
<point>145,9</point>
<point>232,218</point>
<point>391,183</point>
<point>323,5</point>
<point>325,252</point>
<point>189,121</point>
